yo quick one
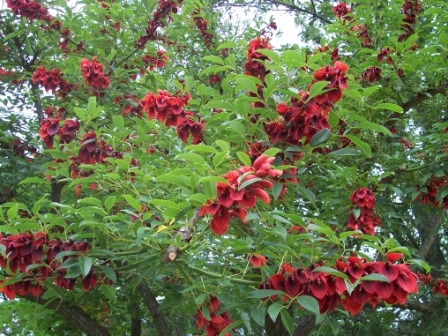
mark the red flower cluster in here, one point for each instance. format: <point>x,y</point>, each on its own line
<point>214,79</point>
<point>341,10</point>
<point>52,80</point>
<point>410,10</point>
<point>254,65</point>
<point>158,61</point>
<point>371,74</point>
<point>93,151</point>
<point>25,249</point>
<point>93,74</point>
<point>190,126</point>
<point>65,40</point>
<point>217,323</point>
<point>164,10</point>
<point>243,187</point>
<point>202,25</point>
<point>166,107</point>
<point>32,10</point>
<point>330,290</point>
<point>305,118</point>
<point>430,196</point>
<point>364,199</point>
<point>50,127</point>
<point>439,286</point>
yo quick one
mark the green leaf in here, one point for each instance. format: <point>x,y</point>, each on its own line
<point>34,179</point>
<point>213,59</point>
<point>220,104</point>
<point>249,182</point>
<point>274,57</point>
<point>201,149</point>
<point>90,200</point>
<point>309,303</point>
<point>264,293</point>
<point>132,202</point>
<point>244,158</point>
<point>85,264</point>
<point>374,127</point>
<point>422,264</point>
<point>109,292</point>
<point>223,145</point>
<point>344,151</point>
<point>192,157</point>
<point>274,309</point>
<point>320,137</point>
<point>332,271</point>
<point>165,203</point>
<point>390,107</point>
<point>109,202</point>
<point>287,321</point>
<point>227,45</point>
<point>317,89</point>
<point>258,314</point>
<point>365,148</point>
<point>215,179</point>
<point>109,272</point>
<point>374,277</point>
<point>247,84</point>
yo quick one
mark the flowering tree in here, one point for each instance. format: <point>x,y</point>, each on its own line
<point>165,174</point>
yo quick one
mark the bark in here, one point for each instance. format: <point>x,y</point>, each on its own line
<point>158,319</point>
<point>429,234</point>
<point>136,320</point>
<point>274,328</point>
<point>74,316</point>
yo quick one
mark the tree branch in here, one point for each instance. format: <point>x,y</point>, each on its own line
<point>422,96</point>
<point>429,234</point>
<point>136,320</point>
<point>158,319</point>
<point>73,315</point>
<point>299,9</point>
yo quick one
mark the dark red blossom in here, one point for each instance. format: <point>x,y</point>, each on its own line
<point>93,74</point>
<point>341,10</point>
<point>257,260</point>
<point>371,74</point>
<point>244,186</point>
<point>217,322</point>
<point>32,10</point>
<point>52,81</point>
<point>330,290</point>
<point>202,26</point>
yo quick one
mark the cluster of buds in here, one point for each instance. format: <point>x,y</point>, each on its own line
<point>93,74</point>
<point>243,187</point>
<point>384,56</point>
<point>432,190</point>
<point>304,118</point>
<point>25,249</point>
<point>32,10</point>
<point>65,40</point>
<point>169,109</point>
<point>363,33</point>
<point>363,219</point>
<point>214,323</point>
<point>202,25</point>
<point>52,80</point>
<point>162,13</point>
<point>410,10</point>
<point>330,290</point>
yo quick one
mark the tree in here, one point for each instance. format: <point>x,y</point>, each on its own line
<point>179,177</point>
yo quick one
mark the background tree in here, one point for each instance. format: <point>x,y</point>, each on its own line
<point>174,173</point>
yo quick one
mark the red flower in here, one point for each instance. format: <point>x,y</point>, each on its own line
<point>93,74</point>
<point>257,260</point>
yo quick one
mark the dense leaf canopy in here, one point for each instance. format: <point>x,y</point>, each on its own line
<point>167,170</point>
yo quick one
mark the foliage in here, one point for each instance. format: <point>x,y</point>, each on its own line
<point>190,177</point>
